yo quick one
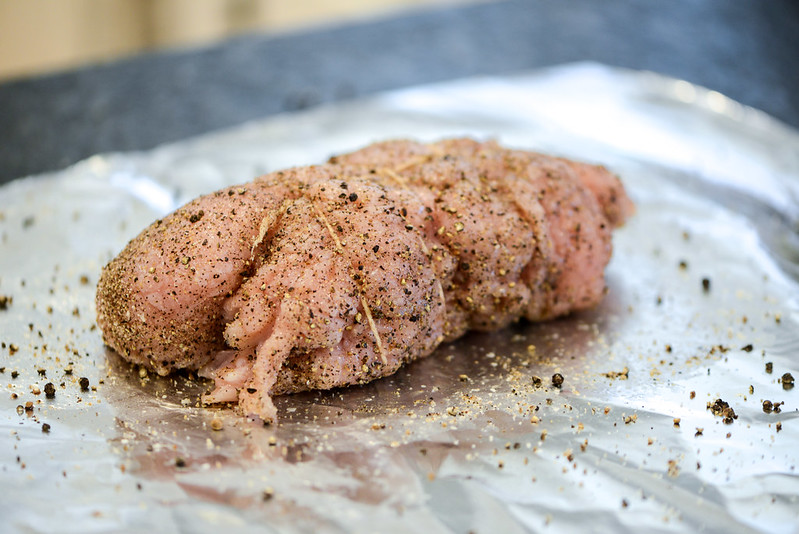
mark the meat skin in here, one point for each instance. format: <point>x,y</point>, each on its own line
<point>337,274</point>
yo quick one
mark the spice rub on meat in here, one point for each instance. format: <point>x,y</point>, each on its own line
<point>337,274</point>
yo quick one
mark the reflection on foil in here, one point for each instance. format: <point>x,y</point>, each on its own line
<point>675,412</point>
<point>144,188</point>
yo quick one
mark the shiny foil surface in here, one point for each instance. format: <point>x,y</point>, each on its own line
<point>676,411</point>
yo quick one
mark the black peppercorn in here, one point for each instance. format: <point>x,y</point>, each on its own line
<point>787,381</point>
<point>557,380</point>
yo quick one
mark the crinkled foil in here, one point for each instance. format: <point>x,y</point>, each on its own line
<point>675,414</point>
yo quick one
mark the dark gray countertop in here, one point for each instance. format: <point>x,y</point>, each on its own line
<point>745,50</point>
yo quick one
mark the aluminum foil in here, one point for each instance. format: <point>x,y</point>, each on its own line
<point>676,412</point>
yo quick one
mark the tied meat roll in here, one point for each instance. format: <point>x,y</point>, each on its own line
<point>337,274</point>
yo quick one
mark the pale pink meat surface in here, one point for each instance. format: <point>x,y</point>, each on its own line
<point>338,274</point>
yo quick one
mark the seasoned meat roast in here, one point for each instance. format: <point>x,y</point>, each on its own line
<point>337,274</point>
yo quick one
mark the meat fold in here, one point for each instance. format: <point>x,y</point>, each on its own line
<point>337,274</point>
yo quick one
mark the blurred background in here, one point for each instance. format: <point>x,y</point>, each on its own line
<point>83,77</point>
<point>43,36</point>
